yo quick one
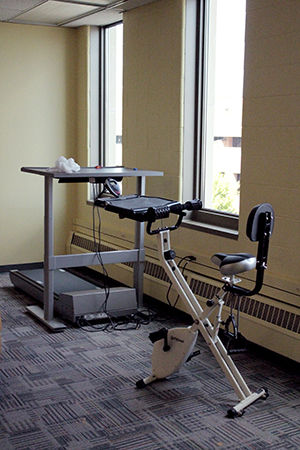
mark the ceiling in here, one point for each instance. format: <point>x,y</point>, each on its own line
<point>66,13</point>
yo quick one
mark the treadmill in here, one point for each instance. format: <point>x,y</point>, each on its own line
<point>76,298</point>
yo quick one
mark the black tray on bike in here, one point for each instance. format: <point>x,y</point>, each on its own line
<point>140,207</point>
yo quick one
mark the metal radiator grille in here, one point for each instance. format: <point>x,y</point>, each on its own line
<point>251,307</point>
<point>248,305</point>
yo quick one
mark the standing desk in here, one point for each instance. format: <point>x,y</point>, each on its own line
<point>53,262</point>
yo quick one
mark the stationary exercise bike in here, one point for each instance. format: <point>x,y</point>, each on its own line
<point>173,347</point>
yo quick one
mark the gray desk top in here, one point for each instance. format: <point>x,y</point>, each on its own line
<point>91,172</point>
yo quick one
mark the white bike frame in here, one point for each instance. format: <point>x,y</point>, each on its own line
<point>208,328</point>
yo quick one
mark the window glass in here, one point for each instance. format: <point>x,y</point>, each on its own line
<point>222,101</point>
<point>112,105</point>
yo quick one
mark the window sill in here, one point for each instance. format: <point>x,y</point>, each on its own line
<point>211,229</point>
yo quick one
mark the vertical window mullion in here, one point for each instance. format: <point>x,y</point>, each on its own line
<point>102,97</point>
<point>200,55</point>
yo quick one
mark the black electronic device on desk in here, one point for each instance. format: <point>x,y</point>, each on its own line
<point>110,187</point>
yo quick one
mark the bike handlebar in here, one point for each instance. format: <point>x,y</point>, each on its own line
<point>164,212</point>
<point>193,205</point>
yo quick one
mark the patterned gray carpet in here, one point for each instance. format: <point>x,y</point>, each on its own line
<point>76,390</point>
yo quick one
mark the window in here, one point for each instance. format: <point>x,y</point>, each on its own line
<point>111,88</point>
<point>214,77</point>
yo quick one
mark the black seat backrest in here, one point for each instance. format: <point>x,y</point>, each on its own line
<point>260,226</point>
<point>260,220</point>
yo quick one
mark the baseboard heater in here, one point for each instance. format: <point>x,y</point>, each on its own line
<point>76,298</point>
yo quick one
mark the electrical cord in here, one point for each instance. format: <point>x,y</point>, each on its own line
<point>126,323</point>
<point>134,321</point>
<point>111,324</point>
<point>82,323</point>
<point>97,247</point>
<point>187,259</point>
<point>131,322</point>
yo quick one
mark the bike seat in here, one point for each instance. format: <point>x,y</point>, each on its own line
<point>234,263</point>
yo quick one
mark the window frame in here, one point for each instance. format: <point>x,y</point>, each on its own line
<point>102,90</point>
<point>194,120</point>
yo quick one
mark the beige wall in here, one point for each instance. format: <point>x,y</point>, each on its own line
<point>38,123</point>
<point>271,130</point>
<point>44,91</point>
<point>152,134</point>
<point>43,113</point>
<point>153,81</point>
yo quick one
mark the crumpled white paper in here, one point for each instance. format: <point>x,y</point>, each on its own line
<point>63,164</point>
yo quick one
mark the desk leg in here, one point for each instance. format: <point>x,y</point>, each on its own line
<point>46,315</point>
<point>139,266</point>
<point>48,250</point>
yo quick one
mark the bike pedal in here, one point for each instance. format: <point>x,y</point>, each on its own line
<point>192,355</point>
